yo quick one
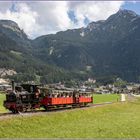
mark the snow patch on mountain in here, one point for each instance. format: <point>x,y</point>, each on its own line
<point>51,51</point>
<point>82,34</point>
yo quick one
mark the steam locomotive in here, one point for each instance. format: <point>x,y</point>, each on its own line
<point>29,97</point>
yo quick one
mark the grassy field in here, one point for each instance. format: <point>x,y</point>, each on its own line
<point>101,98</point>
<point>2,98</point>
<point>118,120</point>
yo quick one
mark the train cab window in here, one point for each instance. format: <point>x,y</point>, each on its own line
<point>24,97</point>
<point>30,88</point>
<point>18,88</point>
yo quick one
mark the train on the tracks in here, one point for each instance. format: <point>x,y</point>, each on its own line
<point>30,97</point>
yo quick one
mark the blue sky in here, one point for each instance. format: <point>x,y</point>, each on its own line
<point>40,18</point>
<point>134,6</point>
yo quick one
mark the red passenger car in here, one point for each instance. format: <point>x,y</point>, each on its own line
<point>29,97</point>
<point>63,98</point>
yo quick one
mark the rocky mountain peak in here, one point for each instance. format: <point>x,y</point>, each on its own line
<point>13,31</point>
<point>9,23</point>
<point>125,15</point>
<point>123,12</point>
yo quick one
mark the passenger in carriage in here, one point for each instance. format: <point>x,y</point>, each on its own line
<point>77,95</point>
<point>58,95</point>
<point>80,95</point>
<point>63,94</point>
<point>70,94</point>
<point>84,95</point>
<point>49,95</point>
<point>55,95</point>
<point>66,95</point>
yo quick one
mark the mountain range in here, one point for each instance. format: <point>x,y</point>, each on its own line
<point>103,50</point>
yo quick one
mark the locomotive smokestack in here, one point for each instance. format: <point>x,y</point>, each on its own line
<point>13,85</point>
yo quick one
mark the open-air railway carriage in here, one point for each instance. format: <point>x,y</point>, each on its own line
<point>30,97</point>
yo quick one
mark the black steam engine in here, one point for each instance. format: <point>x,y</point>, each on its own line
<point>30,97</point>
<point>22,98</point>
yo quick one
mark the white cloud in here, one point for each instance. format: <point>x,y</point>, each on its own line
<point>53,15</point>
<point>24,16</point>
<point>94,10</point>
<point>38,18</point>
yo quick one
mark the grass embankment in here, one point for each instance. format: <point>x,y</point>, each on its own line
<point>119,120</point>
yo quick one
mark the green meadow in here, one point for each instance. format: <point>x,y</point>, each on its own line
<point>2,98</point>
<point>102,98</point>
<point>118,120</point>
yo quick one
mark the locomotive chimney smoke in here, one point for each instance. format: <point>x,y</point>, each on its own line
<point>13,85</point>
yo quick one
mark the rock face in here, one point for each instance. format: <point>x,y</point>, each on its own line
<point>102,49</point>
<point>12,30</point>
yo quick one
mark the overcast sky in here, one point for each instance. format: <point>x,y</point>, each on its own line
<point>39,18</point>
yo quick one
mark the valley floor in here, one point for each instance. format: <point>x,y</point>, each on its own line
<point>118,120</point>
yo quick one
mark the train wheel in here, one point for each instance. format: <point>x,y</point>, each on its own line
<point>45,107</point>
<point>24,110</point>
<point>19,109</point>
<point>14,111</point>
<point>85,104</point>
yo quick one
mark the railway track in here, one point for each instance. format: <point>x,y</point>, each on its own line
<point>38,112</point>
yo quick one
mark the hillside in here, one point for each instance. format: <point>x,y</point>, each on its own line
<point>104,50</point>
<point>16,54</point>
